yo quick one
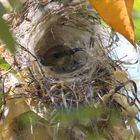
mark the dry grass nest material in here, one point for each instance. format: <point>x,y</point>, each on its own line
<point>98,100</point>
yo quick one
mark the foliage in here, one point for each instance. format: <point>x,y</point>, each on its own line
<point>4,65</point>
<point>5,34</point>
<point>136,17</point>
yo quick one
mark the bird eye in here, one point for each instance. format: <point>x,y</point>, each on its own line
<point>62,59</point>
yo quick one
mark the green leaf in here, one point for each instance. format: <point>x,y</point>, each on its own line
<point>2,9</point>
<point>64,116</point>
<point>96,137</point>
<point>16,4</point>
<point>5,34</point>
<point>28,118</point>
<point>137,5</point>
<point>4,65</point>
<point>137,28</point>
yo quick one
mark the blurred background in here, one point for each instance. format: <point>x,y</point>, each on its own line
<point>136,19</point>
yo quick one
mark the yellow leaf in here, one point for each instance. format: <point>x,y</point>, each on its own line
<point>117,13</point>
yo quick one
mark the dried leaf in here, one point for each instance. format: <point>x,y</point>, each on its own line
<point>133,125</point>
<point>2,49</point>
<point>16,107</point>
<point>120,75</point>
<point>129,110</point>
<point>120,133</point>
<point>117,13</point>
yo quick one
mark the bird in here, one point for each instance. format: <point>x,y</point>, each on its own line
<point>63,59</point>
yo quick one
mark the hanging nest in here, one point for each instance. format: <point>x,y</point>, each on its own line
<point>69,75</point>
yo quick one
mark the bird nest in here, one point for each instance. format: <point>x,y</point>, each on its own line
<point>78,101</point>
<point>86,102</point>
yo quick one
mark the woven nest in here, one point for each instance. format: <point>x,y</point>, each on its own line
<point>78,100</point>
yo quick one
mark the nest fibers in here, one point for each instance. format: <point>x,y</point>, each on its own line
<point>70,71</point>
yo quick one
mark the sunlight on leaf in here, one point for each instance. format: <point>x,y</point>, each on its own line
<point>137,26</point>
<point>137,5</point>
<point>136,17</point>
<point>4,65</point>
<point>6,5</point>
